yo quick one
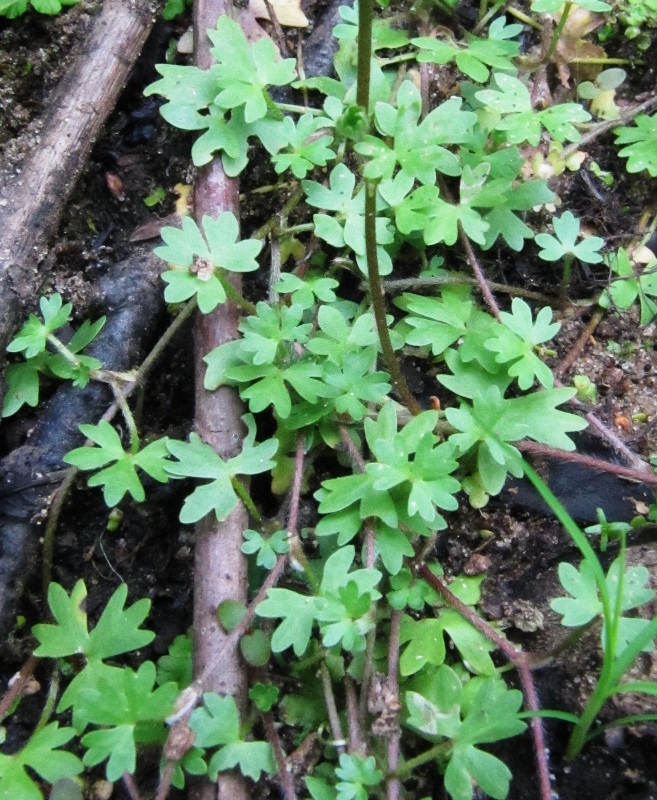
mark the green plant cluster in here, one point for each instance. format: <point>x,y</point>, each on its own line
<point>382,186</point>
<point>15,8</point>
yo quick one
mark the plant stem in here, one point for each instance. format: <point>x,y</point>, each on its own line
<point>243,494</point>
<point>51,701</point>
<point>63,350</point>
<point>290,108</point>
<point>602,127</point>
<point>409,767</point>
<point>600,61</point>
<point>237,297</point>
<point>284,774</point>
<point>304,227</point>
<point>339,742</point>
<point>15,688</point>
<point>403,284</point>
<point>378,302</point>
<point>287,209</point>
<point>129,419</point>
<point>483,21</point>
<point>392,782</point>
<point>516,657</point>
<point>520,15</point>
<point>565,279</point>
<point>365,11</point>
<point>557,32</point>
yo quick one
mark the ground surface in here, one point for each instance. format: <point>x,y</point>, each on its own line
<point>151,552</point>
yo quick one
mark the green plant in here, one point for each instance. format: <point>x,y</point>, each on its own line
<point>47,354</point>
<point>640,145</point>
<point>630,285</point>
<point>317,366</point>
<point>15,8</point>
<point>596,596</point>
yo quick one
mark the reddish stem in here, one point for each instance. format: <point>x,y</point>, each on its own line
<point>517,658</point>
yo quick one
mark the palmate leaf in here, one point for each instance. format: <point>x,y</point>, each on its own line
<point>117,631</point>
<point>217,723</point>
<point>33,336</point>
<point>304,152</point>
<point>515,343</point>
<point>197,255</point>
<point>245,70</point>
<point>130,710</point>
<point>492,422</point>
<point>419,149</point>
<point>118,468</point>
<point>478,55</point>
<point>565,243</point>
<point>196,459</point>
<point>640,142</point>
<point>41,754</point>
<point>521,123</point>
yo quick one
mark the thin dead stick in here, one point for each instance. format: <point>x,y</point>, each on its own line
<point>571,356</point>
<point>403,284</point>
<point>356,741</point>
<point>602,127</point>
<point>367,676</point>
<point>351,448</point>
<point>392,782</point>
<point>527,446</point>
<point>287,783</point>
<point>518,659</point>
<point>131,786</point>
<point>473,261</point>
<point>278,31</point>
<point>339,742</point>
<point>17,685</point>
<point>484,288</point>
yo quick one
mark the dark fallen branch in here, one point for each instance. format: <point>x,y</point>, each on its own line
<point>131,297</point>
<point>33,200</point>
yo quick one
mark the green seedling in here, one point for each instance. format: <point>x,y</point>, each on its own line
<point>47,354</point>
<point>630,285</point>
<point>602,91</point>
<point>565,245</point>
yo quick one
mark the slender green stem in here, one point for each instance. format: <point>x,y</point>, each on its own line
<point>237,297</point>
<point>565,279</point>
<point>378,302</point>
<point>162,343</point>
<point>51,701</point>
<point>386,62</point>
<point>290,108</point>
<point>63,350</point>
<point>520,15</point>
<point>408,767</point>
<point>304,227</point>
<point>601,61</point>
<point>243,494</point>
<point>364,53</point>
<point>129,419</point>
<point>54,513</point>
<point>488,16</point>
<point>287,209</point>
<point>483,9</point>
<point>558,31</point>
